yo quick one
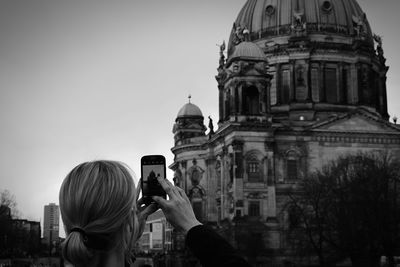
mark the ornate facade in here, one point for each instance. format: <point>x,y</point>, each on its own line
<point>303,82</point>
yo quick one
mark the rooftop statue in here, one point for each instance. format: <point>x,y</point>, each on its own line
<point>241,34</point>
<point>379,48</point>
<point>359,24</point>
<point>299,25</point>
<point>222,48</point>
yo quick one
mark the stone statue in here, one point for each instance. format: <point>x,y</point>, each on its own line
<point>358,23</point>
<point>246,34</point>
<point>221,54</point>
<point>195,173</point>
<point>378,39</point>
<point>379,48</point>
<point>298,25</point>
<point>241,34</point>
<point>211,125</point>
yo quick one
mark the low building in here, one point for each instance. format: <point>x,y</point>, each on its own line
<point>157,235</point>
<point>18,238</point>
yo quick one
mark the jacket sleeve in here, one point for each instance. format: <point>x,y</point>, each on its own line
<point>211,249</point>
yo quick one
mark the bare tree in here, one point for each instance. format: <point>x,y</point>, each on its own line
<point>309,209</point>
<point>352,208</point>
<point>8,201</point>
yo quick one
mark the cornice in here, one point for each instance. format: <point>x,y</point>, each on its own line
<point>354,137</point>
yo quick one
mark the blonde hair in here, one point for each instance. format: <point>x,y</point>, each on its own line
<point>97,204</point>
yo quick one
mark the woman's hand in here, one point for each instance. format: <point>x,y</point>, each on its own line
<point>143,211</point>
<point>177,209</point>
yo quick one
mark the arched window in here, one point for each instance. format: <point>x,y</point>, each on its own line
<point>251,101</point>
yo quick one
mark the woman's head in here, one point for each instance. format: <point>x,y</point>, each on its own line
<point>97,203</point>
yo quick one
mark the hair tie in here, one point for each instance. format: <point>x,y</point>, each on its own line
<point>94,241</point>
<point>82,232</point>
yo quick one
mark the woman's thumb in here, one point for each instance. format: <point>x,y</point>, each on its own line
<point>160,201</point>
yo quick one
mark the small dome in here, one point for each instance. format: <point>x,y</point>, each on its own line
<point>249,51</point>
<point>190,110</point>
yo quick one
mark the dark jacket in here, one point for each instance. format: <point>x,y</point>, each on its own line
<point>212,250</point>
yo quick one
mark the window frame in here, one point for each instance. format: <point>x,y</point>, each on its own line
<point>254,176</point>
<point>292,160</point>
<point>254,208</point>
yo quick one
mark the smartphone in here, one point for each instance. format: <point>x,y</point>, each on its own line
<point>152,167</point>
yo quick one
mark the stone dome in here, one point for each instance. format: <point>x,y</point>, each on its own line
<point>247,51</point>
<point>321,57</point>
<point>268,19</point>
<point>189,110</point>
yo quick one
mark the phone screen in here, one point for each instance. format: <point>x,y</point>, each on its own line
<point>152,167</point>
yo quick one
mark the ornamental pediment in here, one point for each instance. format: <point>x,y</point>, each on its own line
<point>357,123</point>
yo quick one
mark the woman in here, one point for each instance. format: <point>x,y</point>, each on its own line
<point>98,209</point>
<point>102,222</point>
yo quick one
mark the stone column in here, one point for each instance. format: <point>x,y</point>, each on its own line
<point>309,83</point>
<point>353,90</point>
<point>322,95</point>
<point>271,185</point>
<point>240,100</point>
<point>342,87</point>
<point>224,171</point>
<point>278,84</point>
<point>211,205</point>
<point>184,176</point>
<point>359,95</point>
<point>292,92</point>
<point>238,174</point>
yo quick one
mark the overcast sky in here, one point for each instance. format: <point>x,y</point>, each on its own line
<point>84,80</point>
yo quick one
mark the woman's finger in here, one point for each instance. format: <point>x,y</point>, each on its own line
<point>168,188</point>
<point>160,201</point>
<point>148,210</point>
<point>175,189</point>
<point>182,193</point>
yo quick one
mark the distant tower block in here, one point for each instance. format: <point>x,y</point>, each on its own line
<point>51,224</point>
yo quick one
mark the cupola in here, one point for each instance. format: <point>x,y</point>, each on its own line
<point>189,124</point>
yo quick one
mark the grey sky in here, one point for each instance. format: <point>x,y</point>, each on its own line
<point>84,80</point>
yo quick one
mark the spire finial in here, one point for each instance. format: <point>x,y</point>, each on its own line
<point>189,97</point>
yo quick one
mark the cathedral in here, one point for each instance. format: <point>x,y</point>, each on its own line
<point>299,83</point>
